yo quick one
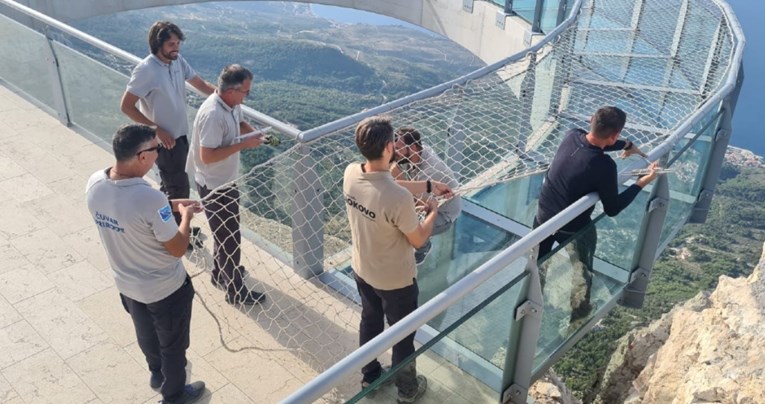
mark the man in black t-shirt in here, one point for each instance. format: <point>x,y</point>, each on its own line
<point>580,167</point>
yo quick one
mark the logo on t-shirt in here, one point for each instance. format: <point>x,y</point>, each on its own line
<point>165,213</point>
<point>351,201</point>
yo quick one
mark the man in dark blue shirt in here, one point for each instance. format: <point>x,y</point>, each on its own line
<point>580,167</point>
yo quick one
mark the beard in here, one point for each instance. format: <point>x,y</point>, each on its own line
<point>172,55</point>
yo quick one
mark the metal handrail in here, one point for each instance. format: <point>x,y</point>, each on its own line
<point>257,116</point>
<point>411,323</point>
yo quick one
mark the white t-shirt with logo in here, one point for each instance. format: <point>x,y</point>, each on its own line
<point>134,220</point>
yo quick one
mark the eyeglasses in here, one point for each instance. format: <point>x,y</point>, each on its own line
<point>245,92</point>
<point>150,149</point>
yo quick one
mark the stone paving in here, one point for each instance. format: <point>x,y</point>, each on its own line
<point>64,336</point>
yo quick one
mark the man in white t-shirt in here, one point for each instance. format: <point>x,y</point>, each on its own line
<point>214,163</point>
<point>418,162</point>
<point>144,246</point>
<point>156,96</point>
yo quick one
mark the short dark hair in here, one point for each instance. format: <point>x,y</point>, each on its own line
<point>372,135</point>
<point>232,76</point>
<point>160,32</point>
<point>128,139</point>
<point>409,135</point>
<point>607,121</point>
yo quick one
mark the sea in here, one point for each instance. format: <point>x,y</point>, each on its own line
<point>748,131</point>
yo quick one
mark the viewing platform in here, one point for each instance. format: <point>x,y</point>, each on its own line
<point>487,326</point>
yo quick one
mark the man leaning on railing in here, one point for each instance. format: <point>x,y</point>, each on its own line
<point>581,167</point>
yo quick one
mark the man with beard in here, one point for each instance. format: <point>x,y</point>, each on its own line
<point>156,96</point>
<point>417,162</point>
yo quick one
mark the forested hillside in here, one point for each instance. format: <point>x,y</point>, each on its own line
<point>308,70</point>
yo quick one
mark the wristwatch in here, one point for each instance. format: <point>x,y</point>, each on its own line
<point>428,186</point>
<point>628,144</point>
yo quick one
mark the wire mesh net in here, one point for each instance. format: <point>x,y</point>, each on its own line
<point>658,60</point>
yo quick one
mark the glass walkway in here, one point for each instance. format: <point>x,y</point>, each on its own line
<point>673,65</point>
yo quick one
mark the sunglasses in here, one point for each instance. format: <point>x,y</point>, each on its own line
<point>150,149</point>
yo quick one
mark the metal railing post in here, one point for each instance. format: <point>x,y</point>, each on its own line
<point>562,9</point>
<point>536,24</point>
<point>648,244</point>
<point>527,319</point>
<point>717,154</point>
<point>307,213</point>
<point>56,83</point>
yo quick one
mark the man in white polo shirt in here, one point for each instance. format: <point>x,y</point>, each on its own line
<point>156,96</point>
<point>214,163</point>
<point>144,246</point>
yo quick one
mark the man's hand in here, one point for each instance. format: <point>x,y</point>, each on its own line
<point>652,174</point>
<point>632,150</point>
<point>431,206</point>
<point>253,141</point>
<point>165,138</point>
<point>441,189</point>
<point>189,204</point>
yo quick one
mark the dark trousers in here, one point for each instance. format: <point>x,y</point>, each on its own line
<point>172,171</point>
<point>162,329</point>
<point>222,211</point>
<point>376,306</point>
<point>581,252</point>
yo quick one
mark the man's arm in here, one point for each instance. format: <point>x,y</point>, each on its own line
<point>213,155</point>
<point>421,187</point>
<point>420,235</point>
<point>129,108</point>
<point>202,85</point>
<point>627,147</point>
<point>613,201</point>
<point>177,245</point>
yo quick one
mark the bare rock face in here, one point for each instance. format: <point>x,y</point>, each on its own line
<point>709,349</point>
<point>551,390</point>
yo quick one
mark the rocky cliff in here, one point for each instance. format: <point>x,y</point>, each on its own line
<point>709,349</point>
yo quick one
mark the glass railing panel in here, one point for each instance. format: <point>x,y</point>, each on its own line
<point>568,300</point>
<point>618,236</point>
<point>550,13</point>
<point>525,9</point>
<point>464,362</point>
<point>92,91</point>
<point>24,62</point>
<point>469,243</point>
<point>687,175</point>
<point>515,200</point>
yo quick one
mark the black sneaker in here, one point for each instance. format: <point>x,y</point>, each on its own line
<point>217,280</point>
<point>247,299</point>
<point>191,394</point>
<point>156,379</point>
<point>366,384</point>
<point>416,394</point>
